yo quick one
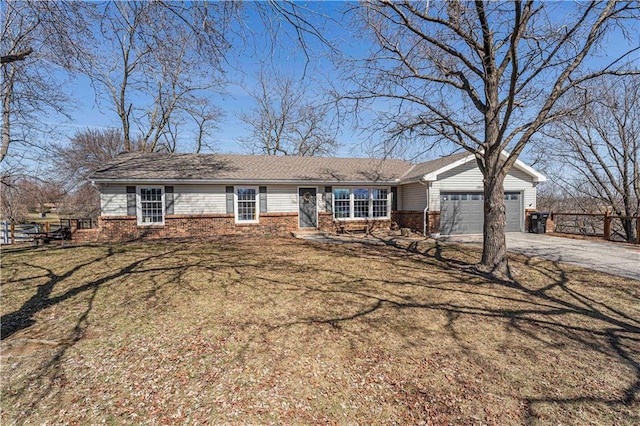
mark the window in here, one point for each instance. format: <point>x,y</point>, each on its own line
<point>246,205</point>
<point>511,196</point>
<point>341,203</point>
<point>151,209</point>
<point>380,197</point>
<point>360,203</point>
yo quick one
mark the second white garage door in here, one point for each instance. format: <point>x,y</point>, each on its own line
<point>463,212</point>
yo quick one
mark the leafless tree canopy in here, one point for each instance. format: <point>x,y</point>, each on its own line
<point>287,120</point>
<point>36,40</point>
<point>157,65</point>
<point>598,146</point>
<point>86,152</point>
<point>484,76</point>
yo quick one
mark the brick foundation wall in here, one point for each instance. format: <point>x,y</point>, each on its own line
<point>126,228</point>
<point>434,222</point>
<point>327,223</point>
<point>408,219</point>
<point>414,220</point>
<point>85,235</point>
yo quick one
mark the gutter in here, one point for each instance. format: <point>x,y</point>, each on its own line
<point>136,181</point>
<point>425,212</point>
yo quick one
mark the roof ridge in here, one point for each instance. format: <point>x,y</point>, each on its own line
<point>413,166</point>
<point>297,157</point>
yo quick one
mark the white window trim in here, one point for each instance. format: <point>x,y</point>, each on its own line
<point>139,205</point>
<point>351,203</point>
<point>235,203</point>
<point>389,195</point>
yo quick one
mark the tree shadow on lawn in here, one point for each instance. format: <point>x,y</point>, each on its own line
<point>554,307</point>
<point>550,311</point>
<point>48,373</point>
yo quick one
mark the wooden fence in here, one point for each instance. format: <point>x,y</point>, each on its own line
<point>605,225</point>
<point>11,233</point>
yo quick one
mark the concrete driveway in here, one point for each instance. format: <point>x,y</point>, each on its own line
<point>616,259</point>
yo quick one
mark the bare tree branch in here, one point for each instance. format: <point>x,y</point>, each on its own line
<point>286,120</point>
<point>484,76</point>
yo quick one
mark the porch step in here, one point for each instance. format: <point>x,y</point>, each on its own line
<point>308,234</point>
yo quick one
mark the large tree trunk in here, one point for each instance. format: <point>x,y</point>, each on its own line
<point>7,93</point>
<point>494,249</point>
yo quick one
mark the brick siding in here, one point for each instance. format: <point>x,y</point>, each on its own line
<point>327,223</point>
<point>126,228</point>
<point>414,220</point>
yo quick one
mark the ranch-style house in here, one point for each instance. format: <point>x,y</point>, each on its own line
<point>156,195</point>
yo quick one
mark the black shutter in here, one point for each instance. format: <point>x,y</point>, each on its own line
<point>131,200</point>
<point>229,191</point>
<point>328,199</point>
<point>263,199</point>
<point>394,198</point>
<point>168,199</point>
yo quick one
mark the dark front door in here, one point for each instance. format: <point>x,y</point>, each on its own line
<point>307,208</point>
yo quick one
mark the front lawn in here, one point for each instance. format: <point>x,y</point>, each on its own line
<point>285,331</point>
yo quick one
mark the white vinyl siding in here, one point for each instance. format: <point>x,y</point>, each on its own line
<point>113,200</point>
<point>414,197</point>
<point>468,178</point>
<point>199,199</point>
<point>282,199</point>
<point>530,198</point>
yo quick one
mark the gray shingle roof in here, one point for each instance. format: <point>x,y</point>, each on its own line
<point>421,169</point>
<point>219,167</point>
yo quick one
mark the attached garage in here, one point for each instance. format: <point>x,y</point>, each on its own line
<point>449,194</point>
<point>463,212</point>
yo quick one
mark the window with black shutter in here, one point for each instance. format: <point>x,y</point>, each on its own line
<point>131,200</point>
<point>263,199</point>
<point>328,199</point>
<point>229,192</point>
<point>168,199</point>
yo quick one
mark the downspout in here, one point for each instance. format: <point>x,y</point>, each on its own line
<point>426,208</point>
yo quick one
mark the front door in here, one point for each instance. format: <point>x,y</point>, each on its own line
<point>307,208</point>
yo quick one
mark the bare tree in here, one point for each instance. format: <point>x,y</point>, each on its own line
<point>600,143</point>
<point>287,120</point>
<point>73,162</point>
<point>87,151</point>
<point>13,207</point>
<point>484,76</point>
<point>38,39</point>
<point>152,62</point>
<point>22,195</point>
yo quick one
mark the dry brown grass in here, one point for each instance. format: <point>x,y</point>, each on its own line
<point>284,331</point>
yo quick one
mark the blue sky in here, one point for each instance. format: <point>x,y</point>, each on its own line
<point>286,57</point>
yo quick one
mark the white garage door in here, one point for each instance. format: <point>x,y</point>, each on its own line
<point>463,212</point>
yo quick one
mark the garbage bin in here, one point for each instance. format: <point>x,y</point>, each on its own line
<point>538,222</point>
<point>542,222</point>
